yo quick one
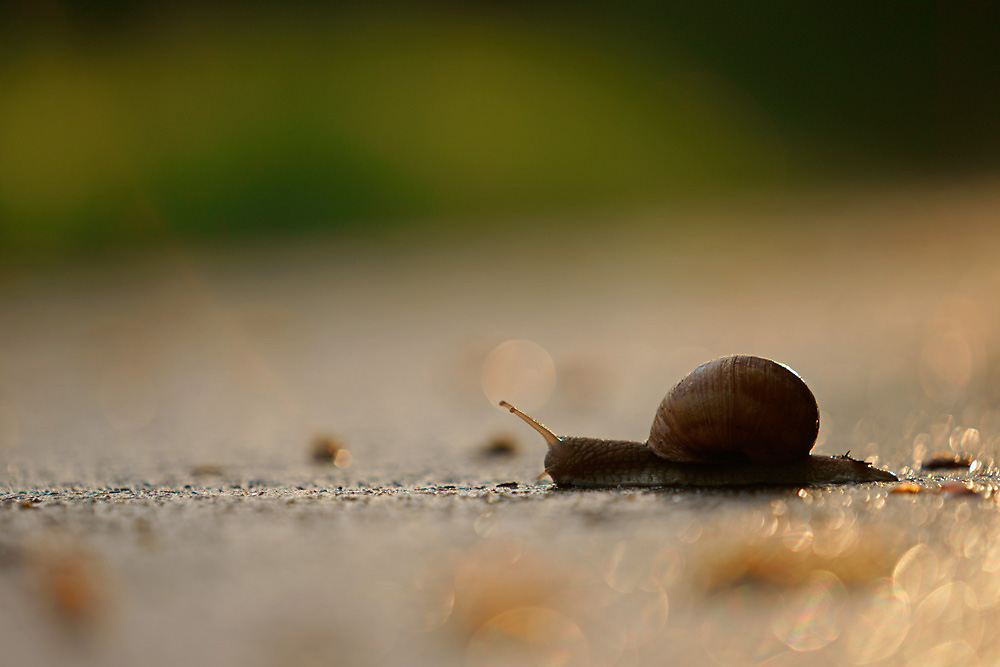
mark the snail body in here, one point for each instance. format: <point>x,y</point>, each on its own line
<point>737,420</point>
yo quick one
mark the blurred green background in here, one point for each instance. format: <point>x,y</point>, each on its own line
<point>124,124</point>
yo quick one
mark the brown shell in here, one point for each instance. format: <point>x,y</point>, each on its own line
<point>737,408</point>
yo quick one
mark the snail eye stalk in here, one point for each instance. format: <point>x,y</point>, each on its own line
<point>549,436</point>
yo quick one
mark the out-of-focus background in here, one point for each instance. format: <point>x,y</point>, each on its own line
<point>143,122</point>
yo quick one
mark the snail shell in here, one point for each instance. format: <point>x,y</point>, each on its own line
<point>737,408</point>
<point>732,421</point>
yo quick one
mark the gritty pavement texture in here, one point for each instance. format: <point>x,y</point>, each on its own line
<point>286,455</point>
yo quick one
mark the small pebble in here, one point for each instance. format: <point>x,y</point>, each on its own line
<point>946,460</point>
<point>324,448</point>
<point>957,489</point>
<point>906,487</point>
<point>501,446</point>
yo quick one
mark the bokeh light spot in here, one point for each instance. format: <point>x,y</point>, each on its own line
<point>798,538</point>
<point>917,571</point>
<point>880,625</point>
<point>528,636</point>
<point>946,364</point>
<point>343,459</point>
<point>809,617</point>
<point>521,372</point>
<point>128,398</point>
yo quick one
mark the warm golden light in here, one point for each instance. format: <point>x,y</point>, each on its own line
<point>521,372</point>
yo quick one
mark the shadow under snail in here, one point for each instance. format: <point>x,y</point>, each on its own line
<point>737,420</point>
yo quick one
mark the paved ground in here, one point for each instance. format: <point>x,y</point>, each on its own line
<point>161,501</point>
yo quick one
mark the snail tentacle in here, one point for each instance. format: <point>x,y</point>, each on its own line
<point>549,436</point>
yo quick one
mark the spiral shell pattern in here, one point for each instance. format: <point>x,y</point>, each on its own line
<point>737,408</point>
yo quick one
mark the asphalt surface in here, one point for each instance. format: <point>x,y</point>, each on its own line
<point>292,454</point>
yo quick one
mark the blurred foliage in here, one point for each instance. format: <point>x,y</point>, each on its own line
<point>130,122</point>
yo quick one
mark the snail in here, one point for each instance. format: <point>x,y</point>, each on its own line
<point>737,420</point>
